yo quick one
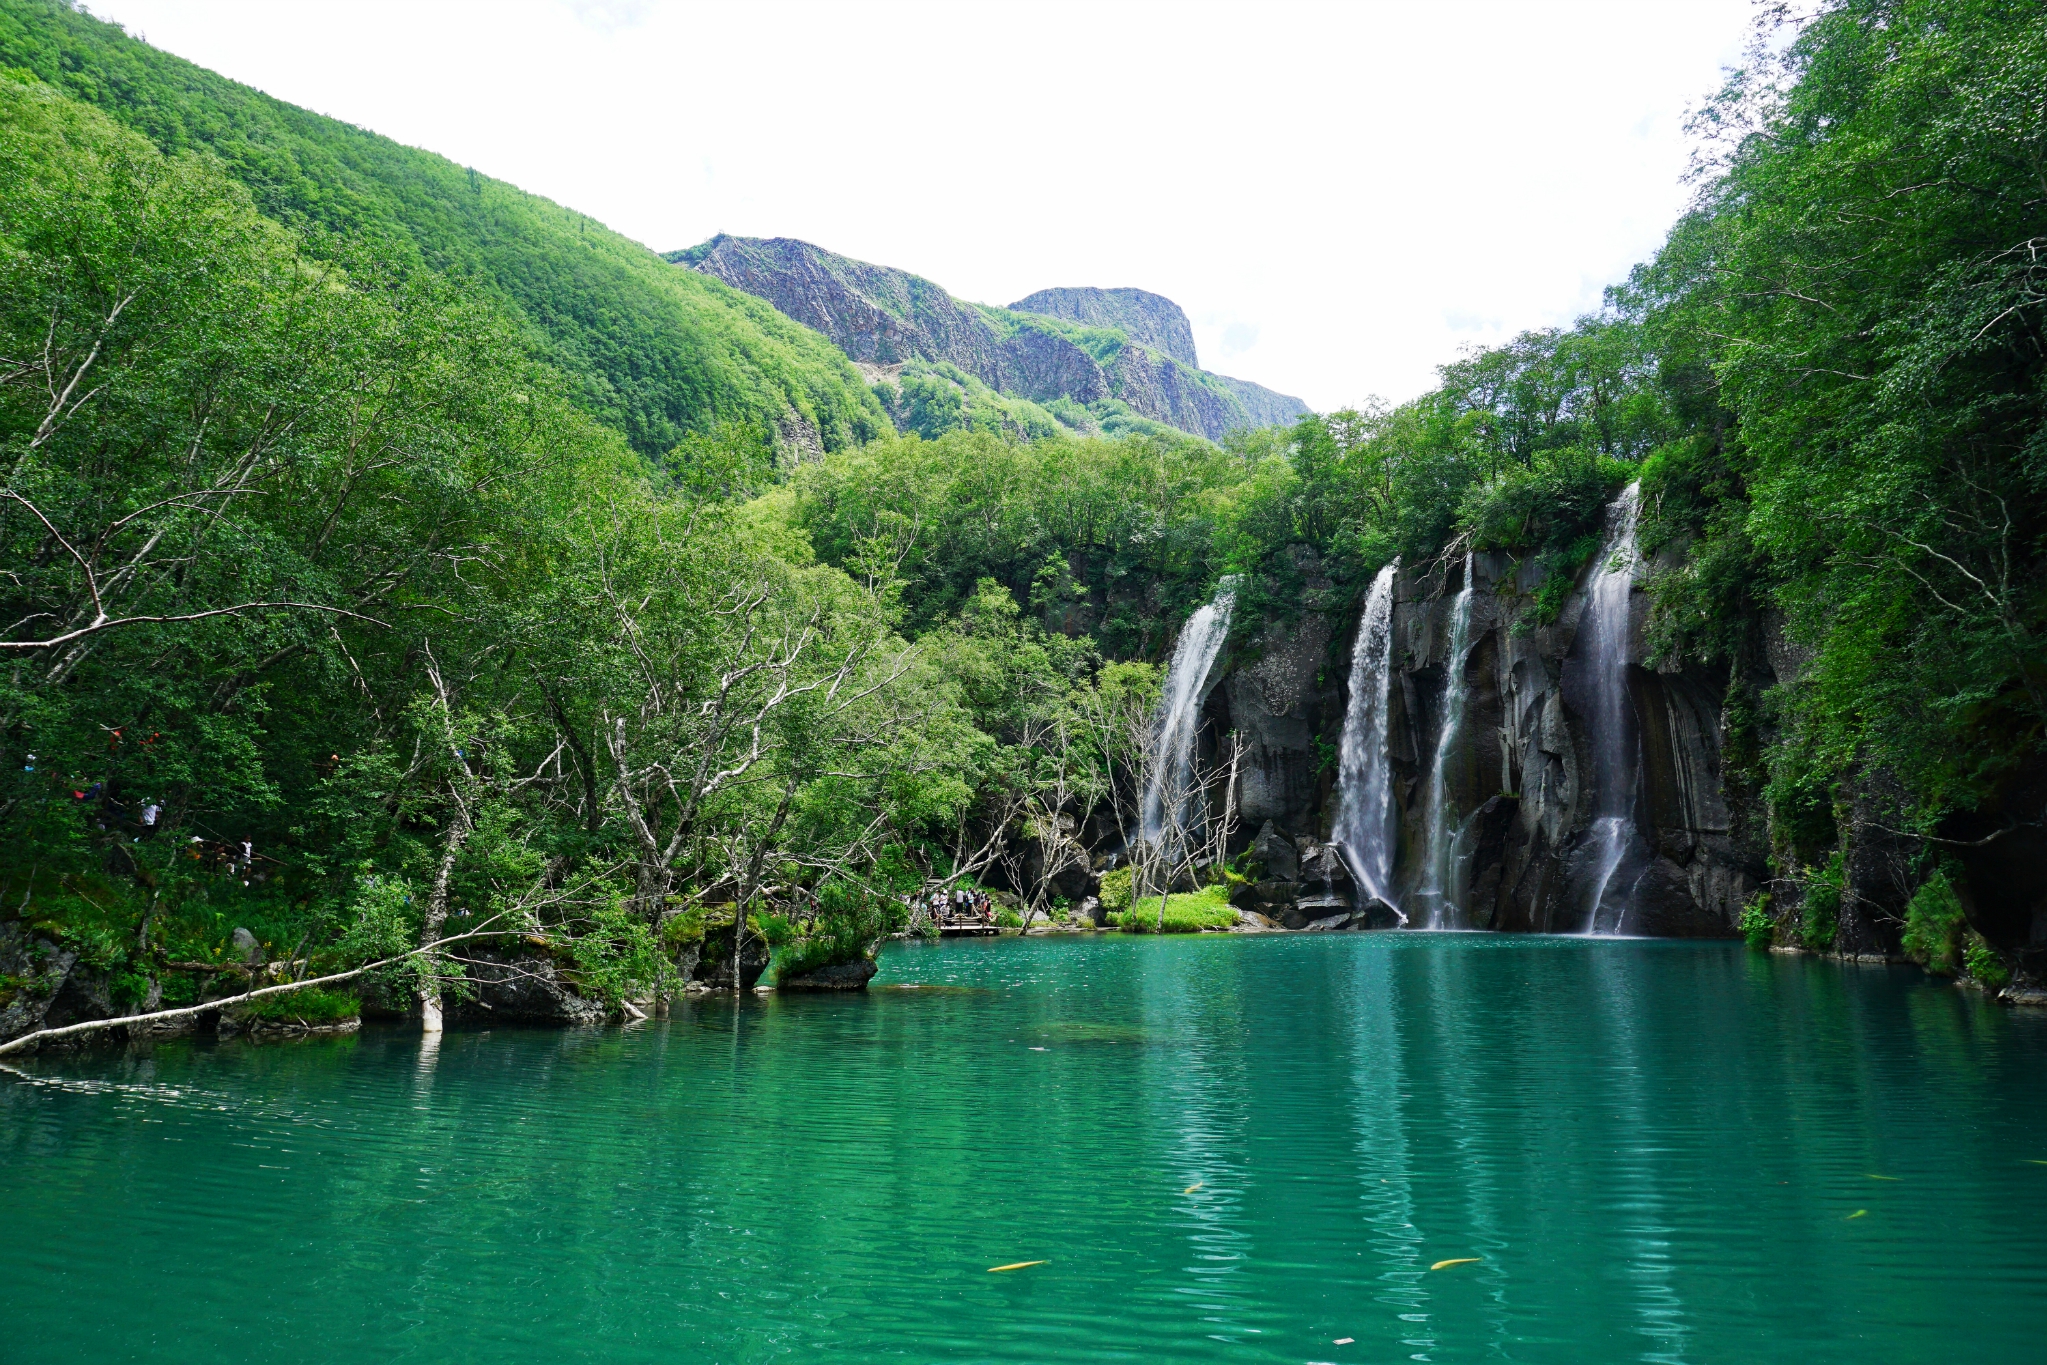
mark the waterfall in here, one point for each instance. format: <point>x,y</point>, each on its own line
<point>1614,743</point>
<point>1440,890</point>
<point>1364,810</point>
<point>1169,790</point>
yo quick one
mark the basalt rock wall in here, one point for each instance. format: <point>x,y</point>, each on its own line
<point>1517,775</point>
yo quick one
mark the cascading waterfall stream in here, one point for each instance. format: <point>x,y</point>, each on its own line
<point>1169,790</point>
<point>1440,894</point>
<point>1364,812</point>
<point>1614,741</point>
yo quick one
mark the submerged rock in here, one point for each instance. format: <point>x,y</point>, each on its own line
<point>836,976</point>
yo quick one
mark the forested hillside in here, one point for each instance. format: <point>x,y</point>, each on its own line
<point>344,615</point>
<point>656,353</point>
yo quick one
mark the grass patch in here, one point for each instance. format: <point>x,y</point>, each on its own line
<point>1208,908</point>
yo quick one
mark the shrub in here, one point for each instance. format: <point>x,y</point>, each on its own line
<point>1008,918</point>
<point>1984,962</point>
<point>1756,925</point>
<point>312,1005</point>
<point>1934,927</point>
<point>1821,912</point>
<point>1116,890</point>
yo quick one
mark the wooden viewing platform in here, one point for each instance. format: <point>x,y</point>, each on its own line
<point>968,928</point>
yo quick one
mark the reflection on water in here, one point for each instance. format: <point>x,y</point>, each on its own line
<point>1224,1148</point>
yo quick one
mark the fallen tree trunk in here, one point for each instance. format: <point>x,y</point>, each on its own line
<point>27,1040</point>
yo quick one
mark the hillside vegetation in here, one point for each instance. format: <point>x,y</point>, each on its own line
<point>655,353</point>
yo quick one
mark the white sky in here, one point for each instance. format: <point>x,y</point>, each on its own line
<point>1340,195</point>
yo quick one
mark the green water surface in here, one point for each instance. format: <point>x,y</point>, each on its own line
<point>1226,1148</point>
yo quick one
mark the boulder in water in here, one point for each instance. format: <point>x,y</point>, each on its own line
<point>1377,914</point>
<point>514,986</point>
<point>834,976</point>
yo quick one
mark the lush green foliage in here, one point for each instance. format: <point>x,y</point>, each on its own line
<point>655,352</point>
<point>1115,539</point>
<point>1189,913</point>
<point>1758,930</point>
<point>312,554</point>
<point>313,1005</point>
<point>1863,279</point>
<point>933,399</point>
<point>1935,927</point>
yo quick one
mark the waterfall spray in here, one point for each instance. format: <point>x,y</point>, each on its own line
<point>1364,812</point>
<point>1614,740</point>
<point>1169,786</point>
<point>1440,891</point>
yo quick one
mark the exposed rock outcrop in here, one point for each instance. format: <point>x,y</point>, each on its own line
<point>883,318</point>
<point>2001,846</point>
<point>1150,319</point>
<point>40,971</point>
<point>520,986</point>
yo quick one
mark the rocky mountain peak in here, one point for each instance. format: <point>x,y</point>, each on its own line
<point>1152,319</point>
<point>1098,355</point>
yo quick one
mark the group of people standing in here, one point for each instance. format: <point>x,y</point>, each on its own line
<point>956,905</point>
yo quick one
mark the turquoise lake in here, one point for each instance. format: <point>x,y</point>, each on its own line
<point>1225,1148</point>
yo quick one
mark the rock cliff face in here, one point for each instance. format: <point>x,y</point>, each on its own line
<point>1140,351</point>
<point>876,315</point>
<point>1262,405</point>
<point>1517,777</point>
<point>1161,330</point>
<point>1148,319</point>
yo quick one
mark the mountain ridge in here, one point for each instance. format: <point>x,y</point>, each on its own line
<point>884,316</point>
